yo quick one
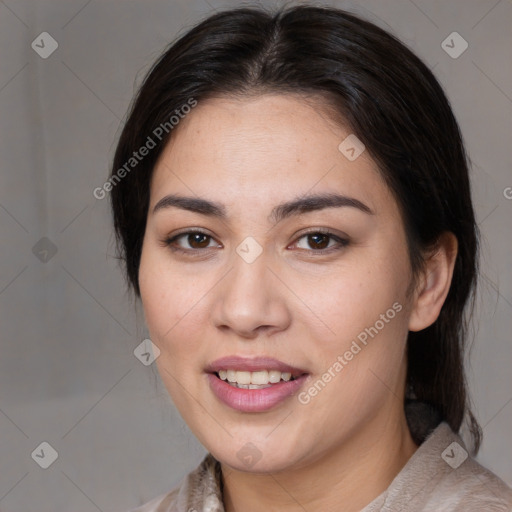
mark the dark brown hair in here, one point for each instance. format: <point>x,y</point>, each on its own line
<point>388,98</point>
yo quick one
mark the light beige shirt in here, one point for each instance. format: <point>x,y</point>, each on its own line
<point>439,477</point>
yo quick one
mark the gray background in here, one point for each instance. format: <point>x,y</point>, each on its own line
<point>68,375</point>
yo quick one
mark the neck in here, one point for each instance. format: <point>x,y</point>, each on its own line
<point>353,474</point>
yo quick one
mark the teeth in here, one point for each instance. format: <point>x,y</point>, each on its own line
<point>254,380</point>
<point>243,377</point>
<point>259,377</point>
<point>274,376</point>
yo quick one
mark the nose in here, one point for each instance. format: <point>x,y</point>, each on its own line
<point>250,300</point>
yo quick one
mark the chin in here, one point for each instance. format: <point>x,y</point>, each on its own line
<point>258,456</point>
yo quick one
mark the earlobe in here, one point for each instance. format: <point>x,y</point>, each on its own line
<point>434,284</point>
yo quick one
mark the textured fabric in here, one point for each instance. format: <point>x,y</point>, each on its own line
<point>439,477</point>
<point>433,481</point>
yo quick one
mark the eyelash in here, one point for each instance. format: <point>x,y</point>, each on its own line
<point>342,242</point>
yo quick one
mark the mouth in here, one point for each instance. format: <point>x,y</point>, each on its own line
<point>254,385</point>
<point>254,380</point>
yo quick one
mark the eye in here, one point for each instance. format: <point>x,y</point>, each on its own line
<point>190,241</point>
<point>320,241</point>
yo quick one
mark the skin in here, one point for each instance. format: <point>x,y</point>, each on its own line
<point>294,302</point>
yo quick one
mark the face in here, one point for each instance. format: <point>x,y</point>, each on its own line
<point>272,260</point>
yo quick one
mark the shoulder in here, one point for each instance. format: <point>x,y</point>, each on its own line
<point>199,490</point>
<point>471,487</point>
<point>442,477</point>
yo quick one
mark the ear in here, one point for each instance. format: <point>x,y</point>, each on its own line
<point>434,283</point>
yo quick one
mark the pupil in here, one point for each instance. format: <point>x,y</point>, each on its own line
<point>198,240</point>
<point>315,237</point>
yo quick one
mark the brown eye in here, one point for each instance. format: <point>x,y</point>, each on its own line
<point>318,240</point>
<point>198,240</point>
<point>190,241</point>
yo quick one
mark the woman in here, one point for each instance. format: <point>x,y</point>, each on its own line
<point>291,198</point>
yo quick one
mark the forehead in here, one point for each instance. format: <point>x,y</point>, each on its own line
<point>262,147</point>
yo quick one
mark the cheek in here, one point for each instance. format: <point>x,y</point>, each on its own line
<point>353,298</point>
<point>364,307</point>
<point>174,315</point>
<point>172,303</point>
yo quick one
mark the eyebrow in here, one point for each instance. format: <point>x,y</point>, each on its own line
<point>282,211</point>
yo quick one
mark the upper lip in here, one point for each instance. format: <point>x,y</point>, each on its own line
<point>252,364</point>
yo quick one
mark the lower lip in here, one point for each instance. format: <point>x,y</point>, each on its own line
<point>254,400</point>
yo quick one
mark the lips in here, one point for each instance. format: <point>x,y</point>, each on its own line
<point>255,364</point>
<point>249,397</point>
